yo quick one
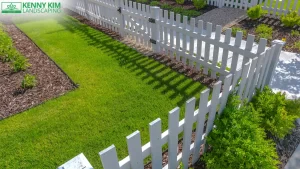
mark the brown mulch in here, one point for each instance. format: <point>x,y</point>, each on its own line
<point>51,80</point>
<point>178,66</point>
<point>279,31</point>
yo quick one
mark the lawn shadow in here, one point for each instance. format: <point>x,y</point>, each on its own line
<point>145,68</point>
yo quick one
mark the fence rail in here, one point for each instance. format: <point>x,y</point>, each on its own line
<point>192,45</point>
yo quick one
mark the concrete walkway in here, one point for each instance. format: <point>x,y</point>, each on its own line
<point>294,161</point>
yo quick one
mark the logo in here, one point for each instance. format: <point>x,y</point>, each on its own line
<point>11,7</point>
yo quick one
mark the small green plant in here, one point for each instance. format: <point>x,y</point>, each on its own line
<point>154,3</point>
<point>178,10</point>
<point>296,45</point>
<point>199,4</point>
<point>276,119</point>
<point>264,31</point>
<point>142,1</point>
<point>19,63</point>
<point>29,81</point>
<point>166,6</point>
<point>255,12</point>
<point>181,166</point>
<point>295,33</point>
<point>291,19</point>
<point>180,2</point>
<point>238,141</point>
<point>190,13</point>
<point>237,29</point>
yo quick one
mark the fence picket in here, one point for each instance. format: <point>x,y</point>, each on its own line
<point>250,77</point>
<point>225,51</point>
<point>207,46</point>
<point>225,92</point>
<point>155,142</point>
<point>173,138</point>
<point>216,50</point>
<point>235,56</point>
<point>243,80</point>
<point>199,44</point>
<point>178,16</point>
<point>188,127</point>
<point>109,158</point>
<point>191,52</point>
<point>135,150</point>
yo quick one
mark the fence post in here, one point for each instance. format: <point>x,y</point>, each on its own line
<point>154,28</point>
<point>274,59</point>
<point>121,19</point>
<point>86,9</point>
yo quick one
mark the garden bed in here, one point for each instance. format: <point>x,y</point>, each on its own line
<point>279,32</point>
<point>51,81</point>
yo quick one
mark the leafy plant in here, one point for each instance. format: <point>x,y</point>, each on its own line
<point>181,166</point>
<point>238,141</point>
<point>264,31</point>
<point>276,119</point>
<point>180,2</point>
<point>166,6</point>
<point>255,12</point>
<point>190,13</point>
<point>291,19</point>
<point>199,4</point>
<point>178,10</point>
<point>29,81</point>
<point>142,1</point>
<point>296,45</point>
<point>295,33</point>
<point>19,63</point>
<point>237,29</point>
<point>154,3</point>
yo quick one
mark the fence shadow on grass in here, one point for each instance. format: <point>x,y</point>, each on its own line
<point>145,68</point>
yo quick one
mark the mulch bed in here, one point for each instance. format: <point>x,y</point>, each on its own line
<point>51,80</point>
<point>279,31</point>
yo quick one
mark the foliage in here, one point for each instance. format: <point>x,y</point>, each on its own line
<point>276,119</point>
<point>297,45</point>
<point>19,63</point>
<point>199,4</point>
<point>181,166</point>
<point>190,13</point>
<point>293,107</point>
<point>291,19</point>
<point>154,3</point>
<point>255,12</point>
<point>180,2</point>
<point>295,33</point>
<point>29,81</point>
<point>237,29</point>
<point>6,46</point>
<point>264,31</point>
<point>166,6</point>
<point>238,141</point>
<point>142,1</point>
<point>178,10</point>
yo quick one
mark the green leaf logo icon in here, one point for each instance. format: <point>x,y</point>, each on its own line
<point>11,6</point>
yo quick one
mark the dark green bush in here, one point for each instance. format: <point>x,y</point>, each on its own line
<point>154,3</point>
<point>166,6</point>
<point>19,63</point>
<point>238,142</point>
<point>237,29</point>
<point>180,2</point>
<point>255,12</point>
<point>178,10</point>
<point>291,19</point>
<point>264,31</point>
<point>29,81</point>
<point>199,4</point>
<point>276,117</point>
<point>143,1</point>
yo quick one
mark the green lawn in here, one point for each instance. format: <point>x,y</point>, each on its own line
<point>120,91</point>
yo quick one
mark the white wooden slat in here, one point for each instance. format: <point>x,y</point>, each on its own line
<point>216,50</point>
<point>281,8</point>
<point>184,38</point>
<point>188,127</point>
<point>200,124</point>
<point>225,92</point>
<point>173,137</point>
<point>178,16</point>
<point>250,77</point>
<point>243,80</point>
<point>235,56</point>
<point>275,8</point>
<point>270,7</point>
<point>249,46</point>
<point>155,142</point>
<point>191,52</point>
<point>199,44</point>
<point>264,65</point>
<point>287,7</point>
<point>268,66</point>
<point>109,158</point>
<point>295,5</point>
<point>161,27</point>
<point>213,108</point>
<point>171,34</point>
<point>207,46</point>
<point>225,51</point>
<point>237,75</point>
<point>155,28</point>
<point>166,30</point>
<point>135,150</point>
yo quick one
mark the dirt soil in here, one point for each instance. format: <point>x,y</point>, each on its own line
<point>279,31</point>
<point>51,80</point>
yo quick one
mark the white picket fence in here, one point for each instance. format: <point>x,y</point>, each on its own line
<point>193,46</point>
<point>277,9</point>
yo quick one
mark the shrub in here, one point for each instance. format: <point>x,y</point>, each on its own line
<point>178,10</point>
<point>19,63</point>
<point>238,141</point>
<point>293,107</point>
<point>296,45</point>
<point>142,1</point>
<point>291,19</point>
<point>236,29</point>
<point>276,119</point>
<point>190,13</point>
<point>180,2</point>
<point>29,81</point>
<point>154,3</point>
<point>264,31</point>
<point>255,12</point>
<point>166,6</point>
<point>295,33</point>
<point>199,4</point>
